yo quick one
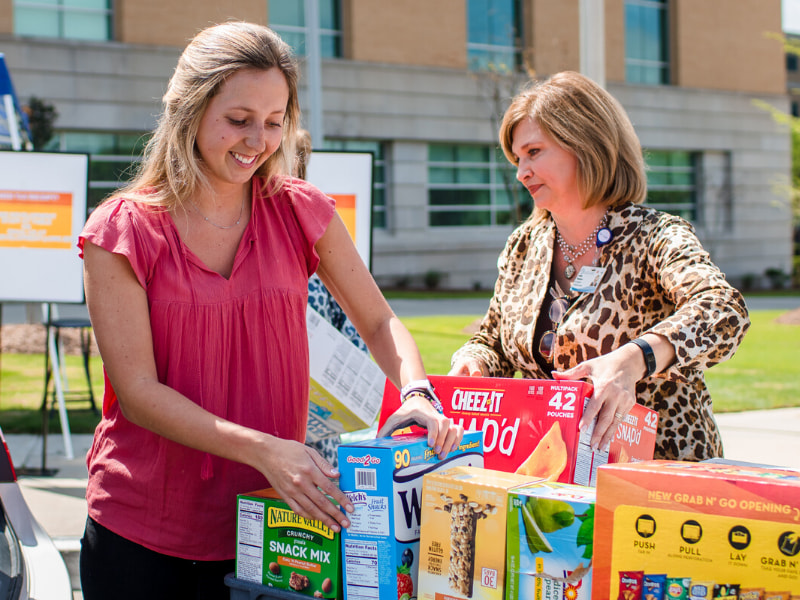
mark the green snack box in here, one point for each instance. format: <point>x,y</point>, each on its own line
<point>278,548</point>
<point>550,538</point>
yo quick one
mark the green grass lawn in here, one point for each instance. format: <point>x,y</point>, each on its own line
<point>765,373</point>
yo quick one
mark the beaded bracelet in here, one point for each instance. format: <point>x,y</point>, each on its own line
<point>428,394</point>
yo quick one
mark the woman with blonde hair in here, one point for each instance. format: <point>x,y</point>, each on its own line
<point>196,281</point>
<point>596,286</point>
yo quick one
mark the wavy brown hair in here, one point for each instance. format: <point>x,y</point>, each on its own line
<point>171,169</point>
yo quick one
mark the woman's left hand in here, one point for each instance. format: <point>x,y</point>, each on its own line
<point>613,376</point>
<point>443,434</point>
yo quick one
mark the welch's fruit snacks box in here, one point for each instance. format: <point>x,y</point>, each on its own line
<point>383,479</point>
<point>550,541</point>
<point>530,426</point>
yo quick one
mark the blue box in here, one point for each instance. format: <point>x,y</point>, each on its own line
<point>383,479</point>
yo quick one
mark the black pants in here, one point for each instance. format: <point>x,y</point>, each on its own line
<point>115,568</point>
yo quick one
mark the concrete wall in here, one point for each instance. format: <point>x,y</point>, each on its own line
<point>6,16</point>
<point>413,32</point>
<point>150,22</point>
<point>724,45</point>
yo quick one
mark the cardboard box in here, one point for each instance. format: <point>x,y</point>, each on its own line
<point>707,522</point>
<point>462,547</point>
<point>346,385</point>
<point>549,542</point>
<point>278,548</point>
<point>383,479</point>
<point>531,425</point>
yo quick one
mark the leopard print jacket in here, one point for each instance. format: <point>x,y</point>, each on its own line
<point>658,279</point>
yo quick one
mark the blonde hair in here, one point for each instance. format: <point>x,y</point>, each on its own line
<point>588,122</point>
<point>171,169</point>
<point>303,153</point>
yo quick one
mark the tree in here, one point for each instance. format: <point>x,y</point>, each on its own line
<point>41,117</point>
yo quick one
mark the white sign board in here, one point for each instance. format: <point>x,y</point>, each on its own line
<point>42,211</point>
<point>347,178</point>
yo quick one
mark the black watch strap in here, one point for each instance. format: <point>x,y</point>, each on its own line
<point>649,355</point>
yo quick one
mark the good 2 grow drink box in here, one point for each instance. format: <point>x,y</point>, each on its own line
<point>383,479</point>
<point>700,526</point>
<point>278,548</point>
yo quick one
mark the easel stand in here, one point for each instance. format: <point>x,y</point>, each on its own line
<point>55,370</point>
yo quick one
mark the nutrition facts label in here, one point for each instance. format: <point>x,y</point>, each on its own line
<point>361,568</point>
<point>250,545</point>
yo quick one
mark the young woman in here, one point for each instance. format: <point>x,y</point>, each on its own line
<point>196,280</point>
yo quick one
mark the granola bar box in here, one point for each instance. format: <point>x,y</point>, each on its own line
<point>383,479</point>
<point>462,547</point>
<point>530,426</point>
<point>278,548</point>
<point>699,526</point>
<point>549,541</point>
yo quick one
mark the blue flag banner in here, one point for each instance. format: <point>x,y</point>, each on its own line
<point>15,131</point>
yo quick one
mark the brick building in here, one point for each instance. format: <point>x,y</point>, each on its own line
<point>422,84</point>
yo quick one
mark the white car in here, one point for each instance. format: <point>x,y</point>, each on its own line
<point>31,566</point>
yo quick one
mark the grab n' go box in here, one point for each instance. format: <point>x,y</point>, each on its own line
<point>462,547</point>
<point>708,524</point>
<point>346,385</point>
<point>383,480</point>
<point>530,426</point>
<point>549,541</point>
<point>278,548</point>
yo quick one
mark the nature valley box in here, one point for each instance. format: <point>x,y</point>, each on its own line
<point>462,547</point>
<point>530,426</point>
<point>549,545</point>
<point>278,548</point>
<point>383,479</point>
<point>346,385</point>
<point>711,524</point>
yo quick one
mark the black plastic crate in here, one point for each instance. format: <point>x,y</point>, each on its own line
<point>247,590</point>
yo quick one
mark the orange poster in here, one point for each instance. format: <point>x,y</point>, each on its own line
<point>33,219</point>
<point>346,207</point>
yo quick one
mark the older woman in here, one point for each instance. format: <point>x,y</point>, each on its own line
<point>594,286</point>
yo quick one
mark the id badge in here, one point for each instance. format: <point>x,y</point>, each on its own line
<point>587,280</point>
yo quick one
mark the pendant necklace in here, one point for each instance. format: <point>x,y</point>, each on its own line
<point>572,253</point>
<point>239,220</point>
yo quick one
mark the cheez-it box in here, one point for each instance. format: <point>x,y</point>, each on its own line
<point>695,526</point>
<point>530,426</point>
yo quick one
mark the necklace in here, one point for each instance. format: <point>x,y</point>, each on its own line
<point>239,220</point>
<point>572,253</point>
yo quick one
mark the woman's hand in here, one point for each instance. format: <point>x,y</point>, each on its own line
<point>303,479</point>
<point>613,376</point>
<point>468,367</point>
<point>443,434</point>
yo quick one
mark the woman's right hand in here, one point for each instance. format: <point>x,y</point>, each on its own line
<point>303,479</point>
<point>468,367</point>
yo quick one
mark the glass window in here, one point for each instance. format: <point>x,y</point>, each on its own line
<point>791,62</point>
<point>672,182</point>
<point>113,157</point>
<point>288,19</point>
<point>378,173</point>
<point>472,185</point>
<point>494,35</point>
<point>70,19</point>
<point>646,48</point>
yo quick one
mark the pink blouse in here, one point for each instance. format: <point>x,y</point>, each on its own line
<point>237,347</point>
